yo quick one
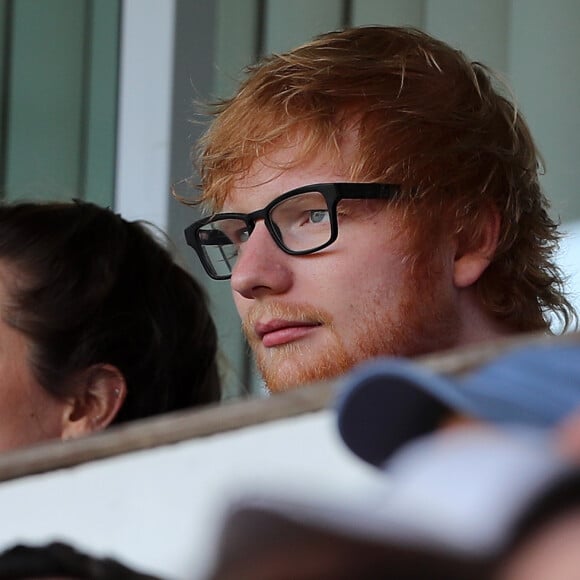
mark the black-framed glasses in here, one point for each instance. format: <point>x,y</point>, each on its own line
<point>301,221</point>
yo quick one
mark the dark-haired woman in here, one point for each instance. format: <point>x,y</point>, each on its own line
<point>98,324</point>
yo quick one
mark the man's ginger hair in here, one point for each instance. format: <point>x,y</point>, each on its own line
<point>424,117</point>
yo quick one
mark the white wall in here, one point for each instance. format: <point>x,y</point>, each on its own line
<point>158,511</point>
<point>145,110</point>
<point>569,260</point>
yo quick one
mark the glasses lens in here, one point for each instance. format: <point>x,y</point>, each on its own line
<point>220,241</point>
<point>303,221</point>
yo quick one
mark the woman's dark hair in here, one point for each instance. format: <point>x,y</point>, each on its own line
<point>57,559</point>
<point>88,287</point>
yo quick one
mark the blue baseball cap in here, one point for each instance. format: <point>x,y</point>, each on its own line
<point>387,402</point>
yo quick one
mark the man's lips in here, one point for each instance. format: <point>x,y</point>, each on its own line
<point>278,332</point>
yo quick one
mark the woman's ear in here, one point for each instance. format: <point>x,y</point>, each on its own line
<point>99,393</point>
<point>474,256</point>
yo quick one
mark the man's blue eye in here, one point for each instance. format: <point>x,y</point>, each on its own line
<point>318,216</point>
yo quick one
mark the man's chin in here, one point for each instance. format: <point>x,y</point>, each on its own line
<point>295,367</point>
<point>279,381</point>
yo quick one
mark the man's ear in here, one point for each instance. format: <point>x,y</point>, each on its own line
<point>98,395</point>
<point>474,256</point>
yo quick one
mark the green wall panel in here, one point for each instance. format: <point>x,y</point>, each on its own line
<point>3,62</point>
<point>392,12</point>
<point>288,24</point>
<point>101,111</point>
<point>45,99</point>
<point>60,90</point>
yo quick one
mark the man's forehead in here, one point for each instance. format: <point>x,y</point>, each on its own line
<point>284,169</point>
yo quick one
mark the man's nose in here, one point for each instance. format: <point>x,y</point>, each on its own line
<point>262,267</point>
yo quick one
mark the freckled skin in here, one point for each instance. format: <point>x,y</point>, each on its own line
<point>359,294</point>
